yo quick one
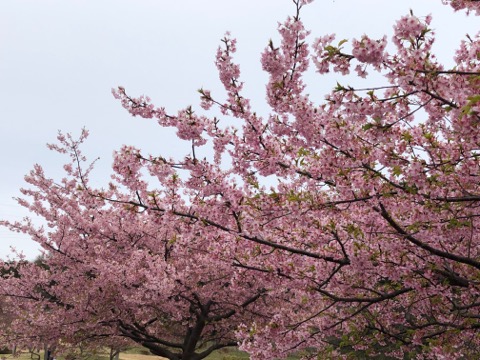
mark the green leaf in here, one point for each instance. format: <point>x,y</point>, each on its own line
<point>397,170</point>
<point>407,136</point>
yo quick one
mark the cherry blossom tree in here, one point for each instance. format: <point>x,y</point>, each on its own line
<point>373,215</point>
<point>345,225</point>
<point>112,270</point>
<point>6,318</point>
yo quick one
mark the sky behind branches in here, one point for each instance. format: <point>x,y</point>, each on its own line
<point>59,60</point>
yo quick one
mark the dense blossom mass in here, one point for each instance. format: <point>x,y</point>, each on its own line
<point>365,240</point>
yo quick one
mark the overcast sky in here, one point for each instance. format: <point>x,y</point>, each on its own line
<point>59,60</point>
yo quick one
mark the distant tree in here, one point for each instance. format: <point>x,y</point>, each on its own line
<point>351,224</point>
<point>6,318</point>
<point>7,311</point>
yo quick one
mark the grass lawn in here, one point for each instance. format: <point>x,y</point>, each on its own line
<point>138,353</point>
<point>228,354</point>
<point>222,354</point>
<point>23,356</point>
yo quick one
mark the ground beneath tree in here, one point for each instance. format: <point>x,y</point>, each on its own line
<point>139,357</point>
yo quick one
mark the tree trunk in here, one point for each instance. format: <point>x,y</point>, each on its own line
<point>33,354</point>
<point>114,354</point>
<point>46,352</point>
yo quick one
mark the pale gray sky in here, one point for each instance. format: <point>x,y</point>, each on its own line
<point>60,58</point>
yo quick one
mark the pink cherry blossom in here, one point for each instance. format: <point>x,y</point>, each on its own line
<point>319,227</point>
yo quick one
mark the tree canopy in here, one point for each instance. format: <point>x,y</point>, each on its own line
<point>317,227</point>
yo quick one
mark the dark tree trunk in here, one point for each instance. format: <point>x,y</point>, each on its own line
<point>114,354</point>
<point>46,352</point>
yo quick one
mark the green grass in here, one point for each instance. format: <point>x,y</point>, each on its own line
<point>24,355</point>
<point>137,350</point>
<point>228,354</point>
<point>222,354</point>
